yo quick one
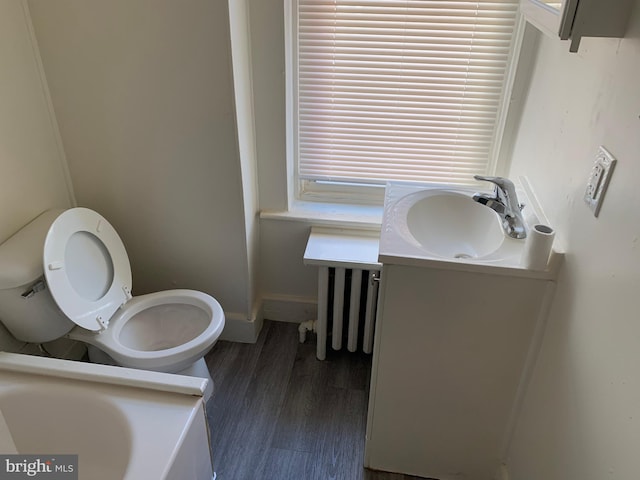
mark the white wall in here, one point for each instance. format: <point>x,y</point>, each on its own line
<point>33,176</point>
<point>581,414</point>
<point>143,95</point>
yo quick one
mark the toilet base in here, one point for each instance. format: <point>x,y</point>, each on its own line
<point>198,369</point>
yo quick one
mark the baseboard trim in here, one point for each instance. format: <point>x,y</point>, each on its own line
<point>280,308</point>
<point>289,308</point>
<point>239,328</point>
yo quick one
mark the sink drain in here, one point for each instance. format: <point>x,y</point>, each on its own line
<point>462,255</point>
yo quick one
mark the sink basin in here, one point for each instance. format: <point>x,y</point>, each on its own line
<point>443,227</point>
<point>452,225</point>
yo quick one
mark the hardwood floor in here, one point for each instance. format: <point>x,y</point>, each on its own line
<point>278,413</point>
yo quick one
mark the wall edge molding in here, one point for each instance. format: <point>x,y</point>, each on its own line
<point>238,328</point>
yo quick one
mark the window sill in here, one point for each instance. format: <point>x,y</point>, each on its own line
<point>365,217</point>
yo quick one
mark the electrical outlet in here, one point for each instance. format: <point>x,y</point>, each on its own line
<point>599,180</point>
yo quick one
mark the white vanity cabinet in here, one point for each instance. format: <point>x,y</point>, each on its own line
<point>574,19</point>
<point>450,352</point>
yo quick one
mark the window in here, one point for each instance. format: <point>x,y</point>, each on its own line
<point>405,90</point>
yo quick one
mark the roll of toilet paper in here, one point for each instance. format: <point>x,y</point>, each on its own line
<point>537,247</point>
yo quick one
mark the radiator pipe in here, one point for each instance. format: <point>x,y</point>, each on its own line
<point>304,327</point>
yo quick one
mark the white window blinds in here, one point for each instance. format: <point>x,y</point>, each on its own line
<point>399,89</point>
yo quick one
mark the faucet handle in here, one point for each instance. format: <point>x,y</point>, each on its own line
<point>503,183</point>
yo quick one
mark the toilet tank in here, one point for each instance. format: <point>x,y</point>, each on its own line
<point>27,309</point>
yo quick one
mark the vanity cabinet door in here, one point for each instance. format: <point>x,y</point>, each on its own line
<point>449,352</point>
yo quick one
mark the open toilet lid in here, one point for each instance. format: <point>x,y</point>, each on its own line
<point>86,267</point>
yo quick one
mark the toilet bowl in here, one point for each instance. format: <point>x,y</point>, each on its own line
<point>164,331</point>
<point>85,295</point>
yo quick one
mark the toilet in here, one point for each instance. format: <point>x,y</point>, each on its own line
<point>67,274</point>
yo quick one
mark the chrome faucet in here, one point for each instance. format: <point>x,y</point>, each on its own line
<point>505,203</point>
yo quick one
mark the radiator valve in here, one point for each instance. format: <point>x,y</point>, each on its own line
<point>308,326</point>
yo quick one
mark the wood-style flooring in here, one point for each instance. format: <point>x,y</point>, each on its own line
<point>278,413</point>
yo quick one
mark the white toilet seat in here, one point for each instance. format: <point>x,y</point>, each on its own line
<point>89,276</point>
<point>86,267</point>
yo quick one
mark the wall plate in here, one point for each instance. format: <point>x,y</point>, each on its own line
<point>599,180</point>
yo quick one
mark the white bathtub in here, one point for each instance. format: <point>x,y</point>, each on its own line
<point>122,423</point>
